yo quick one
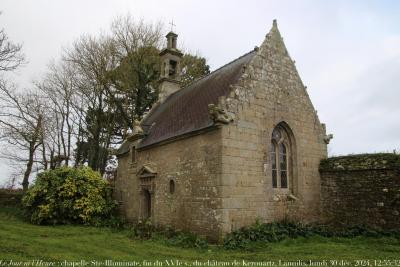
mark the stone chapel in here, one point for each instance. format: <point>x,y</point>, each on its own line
<point>240,144</point>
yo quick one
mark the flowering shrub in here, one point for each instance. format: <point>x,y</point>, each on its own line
<point>69,195</point>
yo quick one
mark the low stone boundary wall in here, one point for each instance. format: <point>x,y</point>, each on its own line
<point>10,197</point>
<point>361,190</point>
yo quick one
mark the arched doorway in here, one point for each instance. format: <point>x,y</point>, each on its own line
<point>146,177</point>
<point>146,204</point>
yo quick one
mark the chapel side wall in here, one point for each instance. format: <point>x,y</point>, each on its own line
<point>126,188</point>
<point>194,164</point>
<point>270,92</point>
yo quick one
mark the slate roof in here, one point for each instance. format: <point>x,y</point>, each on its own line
<point>186,110</point>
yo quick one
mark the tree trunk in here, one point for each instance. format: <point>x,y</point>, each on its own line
<point>45,162</point>
<point>25,181</point>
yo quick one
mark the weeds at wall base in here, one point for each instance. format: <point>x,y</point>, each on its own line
<point>246,238</point>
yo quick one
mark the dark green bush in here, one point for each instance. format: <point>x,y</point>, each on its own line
<point>143,230</point>
<point>187,240</point>
<point>147,230</point>
<point>70,195</point>
<point>277,231</point>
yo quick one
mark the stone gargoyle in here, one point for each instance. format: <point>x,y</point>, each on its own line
<point>218,114</point>
<point>328,138</point>
<point>137,131</point>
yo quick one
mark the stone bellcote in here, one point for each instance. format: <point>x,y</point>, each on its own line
<point>170,67</point>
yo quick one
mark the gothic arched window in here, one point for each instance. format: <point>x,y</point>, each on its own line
<point>280,156</point>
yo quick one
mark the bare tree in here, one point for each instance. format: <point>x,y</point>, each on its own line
<point>86,103</point>
<point>93,59</point>
<point>58,87</point>
<point>11,56</point>
<point>22,120</point>
<point>137,45</point>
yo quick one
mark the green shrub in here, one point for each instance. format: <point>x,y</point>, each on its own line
<point>69,195</point>
<point>143,230</point>
<point>187,240</point>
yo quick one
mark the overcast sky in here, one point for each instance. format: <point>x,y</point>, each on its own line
<point>347,52</point>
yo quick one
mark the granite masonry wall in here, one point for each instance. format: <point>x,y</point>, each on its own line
<point>9,197</point>
<point>194,166</point>
<point>361,190</point>
<point>270,93</point>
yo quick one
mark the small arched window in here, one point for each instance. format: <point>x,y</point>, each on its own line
<point>280,150</point>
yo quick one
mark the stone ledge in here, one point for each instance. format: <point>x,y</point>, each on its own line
<point>376,161</point>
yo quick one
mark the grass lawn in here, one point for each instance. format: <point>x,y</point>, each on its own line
<point>21,241</point>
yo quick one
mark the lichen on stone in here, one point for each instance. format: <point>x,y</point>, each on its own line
<point>361,162</point>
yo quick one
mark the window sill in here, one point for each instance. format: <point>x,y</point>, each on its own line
<point>281,195</point>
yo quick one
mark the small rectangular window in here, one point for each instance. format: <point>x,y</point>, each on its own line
<point>172,68</point>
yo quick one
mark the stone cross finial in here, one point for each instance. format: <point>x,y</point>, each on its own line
<point>172,25</point>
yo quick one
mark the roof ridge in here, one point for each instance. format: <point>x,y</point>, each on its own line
<point>195,81</point>
<point>236,59</point>
<point>205,76</point>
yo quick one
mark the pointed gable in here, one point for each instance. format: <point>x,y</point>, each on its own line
<point>145,172</point>
<point>275,40</point>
